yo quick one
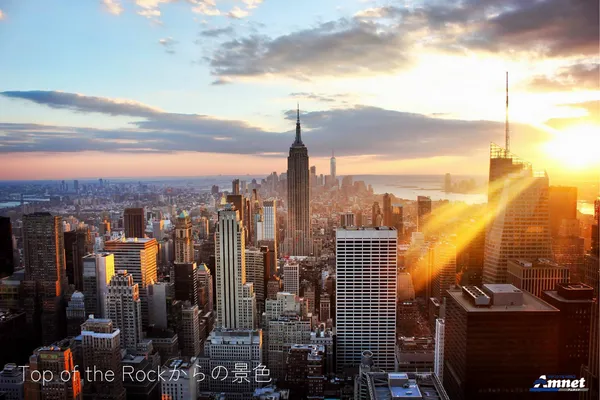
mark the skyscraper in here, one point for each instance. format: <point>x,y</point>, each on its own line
<point>423,211</point>
<point>236,302</point>
<point>520,226</point>
<point>189,332</point>
<point>291,278</point>
<point>184,245</point>
<point>536,276</point>
<point>134,221</point>
<point>366,295</point>
<point>98,269</point>
<point>497,341</point>
<point>138,257</point>
<point>102,352</point>
<point>78,243</point>
<point>235,186</point>
<point>124,309</point>
<point>575,302</point>
<point>255,274</point>
<point>332,167</point>
<point>347,219</point>
<point>444,268</point>
<point>52,361</point>
<point>298,238</point>
<point>562,205</point>
<point>387,209</point>
<point>45,270</point>
<point>7,265</point>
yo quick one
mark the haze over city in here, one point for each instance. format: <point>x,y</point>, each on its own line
<point>186,88</point>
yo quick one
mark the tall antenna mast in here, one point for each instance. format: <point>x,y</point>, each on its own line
<point>506,128</point>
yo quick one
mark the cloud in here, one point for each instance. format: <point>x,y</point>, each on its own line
<point>112,6</point>
<point>590,109</point>
<point>379,12</point>
<point>168,44</point>
<point>205,7</point>
<point>237,13</point>
<point>574,77</point>
<point>338,48</point>
<point>398,134</point>
<point>221,81</point>
<point>556,28</point>
<point>81,103</point>
<point>250,4</point>
<point>321,97</point>
<point>217,32</point>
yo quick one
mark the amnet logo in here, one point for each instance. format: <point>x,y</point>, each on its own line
<point>559,383</point>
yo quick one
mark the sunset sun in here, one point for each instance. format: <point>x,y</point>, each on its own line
<point>575,147</point>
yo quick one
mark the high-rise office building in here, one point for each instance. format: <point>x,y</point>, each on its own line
<point>332,166</point>
<point>376,215</point>
<point>347,219</point>
<point>497,339</point>
<point>398,219</point>
<point>443,272</point>
<point>298,237</point>
<point>520,226</point>
<point>52,361</point>
<point>11,382</point>
<point>78,243</point>
<point>423,211</point>
<point>235,186</point>
<point>44,252</point>
<point>189,332</point>
<point>575,302</point>
<point>366,295</point>
<point>186,282</point>
<point>469,257</point>
<point>124,308</point>
<point>138,257</point>
<point>305,369</point>
<point>438,363</point>
<point>236,301</point>
<point>75,314</point>
<point>502,164</point>
<point>291,278</point>
<point>184,245</point>
<point>233,350</point>
<point>102,352</point>
<point>7,264</point>
<point>270,237</point>
<point>158,297</point>
<point>203,228</point>
<point>536,276</point>
<point>562,205</point>
<point>134,222</point>
<point>255,274</point>
<point>590,371</point>
<point>98,269</point>
<point>387,209</point>
<point>183,385</point>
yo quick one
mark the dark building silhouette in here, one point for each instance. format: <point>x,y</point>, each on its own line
<point>423,210</point>
<point>387,209</point>
<point>45,274</point>
<point>78,243</point>
<point>305,371</point>
<point>562,204</point>
<point>498,340</point>
<point>298,237</point>
<point>186,282</point>
<point>7,263</point>
<point>134,222</point>
<point>575,301</point>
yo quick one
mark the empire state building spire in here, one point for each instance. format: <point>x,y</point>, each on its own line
<point>298,141</point>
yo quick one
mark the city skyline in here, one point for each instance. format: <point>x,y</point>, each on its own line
<point>198,102</point>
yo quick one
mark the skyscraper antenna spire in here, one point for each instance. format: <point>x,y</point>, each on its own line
<point>298,140</point>
<point>506,127</point>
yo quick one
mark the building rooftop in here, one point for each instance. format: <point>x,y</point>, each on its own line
<point>528,302</point>
<point>180,362</point>
<point>537,263</point>
<point>400,385</point>
<point>131,240</point>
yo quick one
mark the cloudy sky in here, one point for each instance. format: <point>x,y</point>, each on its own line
<point>109,88</point>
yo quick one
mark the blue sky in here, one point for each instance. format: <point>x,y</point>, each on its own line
<point>394,86</point>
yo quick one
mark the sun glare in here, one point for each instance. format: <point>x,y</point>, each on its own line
<point>576,147</point>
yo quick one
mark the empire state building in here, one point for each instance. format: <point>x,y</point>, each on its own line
<point>298,238</point>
